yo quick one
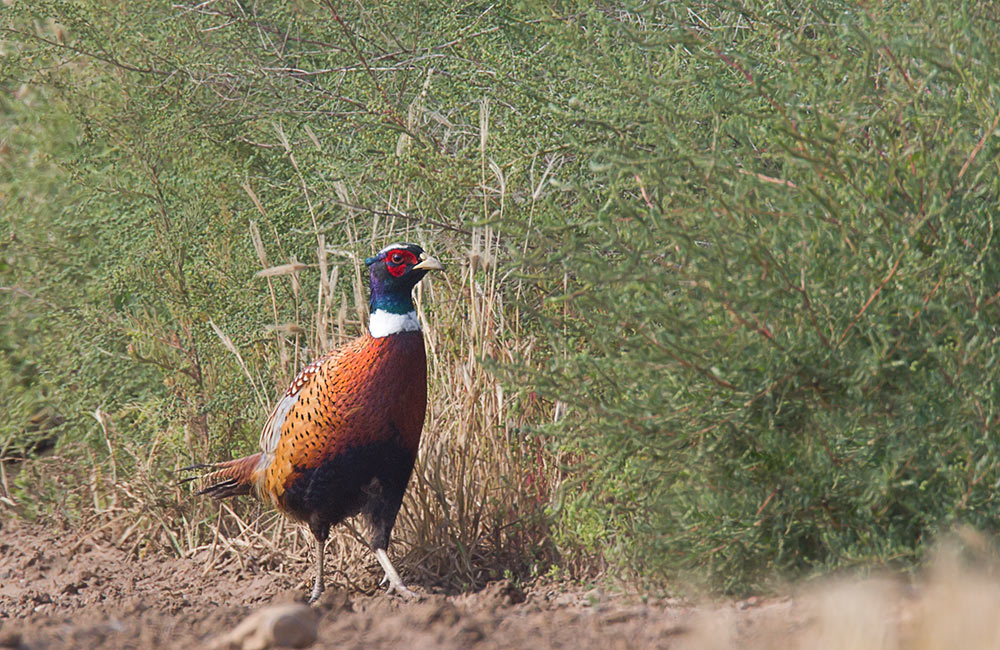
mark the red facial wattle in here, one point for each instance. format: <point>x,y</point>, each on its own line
<point>397,261</point>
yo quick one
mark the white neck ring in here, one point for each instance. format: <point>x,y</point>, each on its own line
<point>383,323</point>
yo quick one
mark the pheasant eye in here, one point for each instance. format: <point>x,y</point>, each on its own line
<point>397,258</point>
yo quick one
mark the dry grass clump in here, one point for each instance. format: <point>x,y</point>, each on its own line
<point>467,517</point>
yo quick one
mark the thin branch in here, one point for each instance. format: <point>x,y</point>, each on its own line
<point>403,215</point>
<point>872,297</point>
<point>64,46</point>
<point>973,154</point>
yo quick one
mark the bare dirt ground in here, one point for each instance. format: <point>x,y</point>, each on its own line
<point>59,589</point>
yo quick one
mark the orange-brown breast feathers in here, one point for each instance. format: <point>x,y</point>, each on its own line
<point>371,390</point>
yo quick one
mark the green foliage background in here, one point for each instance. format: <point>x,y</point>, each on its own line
<point>753,242</point>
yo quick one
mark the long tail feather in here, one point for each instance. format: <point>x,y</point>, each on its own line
<point>228,478</point>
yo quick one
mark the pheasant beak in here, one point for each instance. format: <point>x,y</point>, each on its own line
<point>428,263</point>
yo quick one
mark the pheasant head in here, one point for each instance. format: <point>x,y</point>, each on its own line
<point>393,272</point>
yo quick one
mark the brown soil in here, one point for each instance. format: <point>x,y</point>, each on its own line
<point>60,589</point>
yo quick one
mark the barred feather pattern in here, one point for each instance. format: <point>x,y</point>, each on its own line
<point>232,477</point>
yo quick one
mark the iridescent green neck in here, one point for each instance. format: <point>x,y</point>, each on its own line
<point>393,302</point>
<point>391,307</point>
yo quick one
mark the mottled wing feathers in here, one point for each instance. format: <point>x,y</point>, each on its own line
<point>271,433</point>
<point>243,475</point>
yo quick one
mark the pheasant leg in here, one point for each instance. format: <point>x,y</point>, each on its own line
<point>318,585</point>
<point>395,582</point>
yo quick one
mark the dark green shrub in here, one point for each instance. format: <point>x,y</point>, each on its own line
<point>772,306</point>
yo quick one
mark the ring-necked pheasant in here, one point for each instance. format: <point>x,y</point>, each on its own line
<point>343,438</point>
